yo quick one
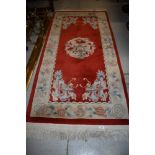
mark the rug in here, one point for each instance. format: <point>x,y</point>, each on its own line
<point>79,78</point>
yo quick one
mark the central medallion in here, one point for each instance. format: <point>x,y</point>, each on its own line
<point>80,48</point>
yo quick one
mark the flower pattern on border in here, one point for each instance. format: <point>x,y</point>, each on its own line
<point>117,111</point>
<point>59,110</point>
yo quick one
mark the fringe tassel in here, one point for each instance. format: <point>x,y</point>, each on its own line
<point>71,132</point>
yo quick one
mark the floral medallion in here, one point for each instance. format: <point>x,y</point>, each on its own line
<point>80,48</point>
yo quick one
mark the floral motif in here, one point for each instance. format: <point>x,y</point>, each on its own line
<point>100,111</point>
<point>95,91</point>
<point>118,111</point>
<point>61,112</point>
<point>92,20</point>
<point>76,111</point>
<point>62,91</point>
<point>80,48</point>
<point>43,110</point>
<point>112,63</point>
<point>115,85</point>
<point>68,21</point>
<point>80,111</point>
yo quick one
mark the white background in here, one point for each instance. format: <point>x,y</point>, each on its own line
<point>13,77</point>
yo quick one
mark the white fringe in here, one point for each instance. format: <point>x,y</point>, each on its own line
<point>82,9</point>
<point>71,132</point>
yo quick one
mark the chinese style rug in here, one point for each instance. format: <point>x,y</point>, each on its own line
<point>79,79</point>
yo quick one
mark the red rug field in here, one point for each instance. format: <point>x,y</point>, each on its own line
<point>79,79</point>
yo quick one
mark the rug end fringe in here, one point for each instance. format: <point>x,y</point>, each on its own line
<point>65,132</point>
